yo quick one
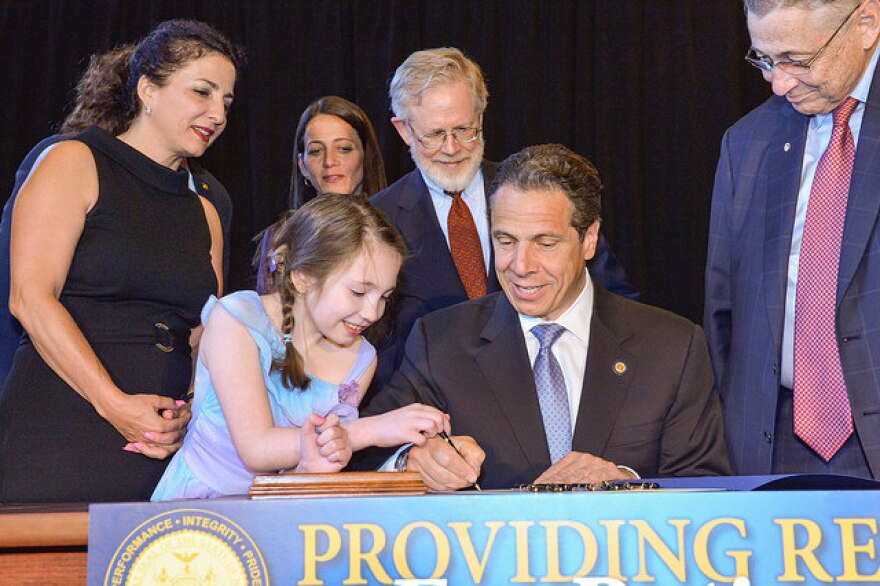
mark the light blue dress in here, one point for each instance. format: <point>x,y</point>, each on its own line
<point>208,464</point>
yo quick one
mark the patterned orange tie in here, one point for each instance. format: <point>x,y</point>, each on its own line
<point>822,413</point>
<point>464,243</point>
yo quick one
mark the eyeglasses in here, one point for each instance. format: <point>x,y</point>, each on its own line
<point>435,140</point>
<point>789,66</point>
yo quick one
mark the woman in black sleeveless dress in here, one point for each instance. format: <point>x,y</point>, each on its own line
<point>112,259</point>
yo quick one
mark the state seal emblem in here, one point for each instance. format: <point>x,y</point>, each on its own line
<point>187,547</point>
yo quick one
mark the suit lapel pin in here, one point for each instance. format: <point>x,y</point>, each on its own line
<point>619,368</point>
<point>205,186</point>
<point>786,147</point>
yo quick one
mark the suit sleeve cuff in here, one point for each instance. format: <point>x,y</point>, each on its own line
<point>390,463</point>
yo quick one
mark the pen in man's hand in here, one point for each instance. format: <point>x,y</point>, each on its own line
<point>445,437</point>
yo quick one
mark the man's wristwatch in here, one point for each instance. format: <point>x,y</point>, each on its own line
<point>402,459</point>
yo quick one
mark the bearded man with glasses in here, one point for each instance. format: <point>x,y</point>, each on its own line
<point>438,97</point>
<point>792,312</point>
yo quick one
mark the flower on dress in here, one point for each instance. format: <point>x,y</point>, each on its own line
<point>348,393</point>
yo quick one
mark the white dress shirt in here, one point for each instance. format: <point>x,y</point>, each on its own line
<point>570,349</point>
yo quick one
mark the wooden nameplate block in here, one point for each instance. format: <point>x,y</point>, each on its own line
<point>292,484</point>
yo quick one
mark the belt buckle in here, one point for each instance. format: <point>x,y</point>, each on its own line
<point>163,334</point>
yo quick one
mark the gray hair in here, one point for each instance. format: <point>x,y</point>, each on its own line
<point>762,8</point>
<point>424,70</point>
<point>551,167</point>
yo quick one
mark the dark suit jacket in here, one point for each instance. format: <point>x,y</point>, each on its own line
<point>10,330</point>
<point>660,416</point>
<point>753,210</point>
<point>428,279</point>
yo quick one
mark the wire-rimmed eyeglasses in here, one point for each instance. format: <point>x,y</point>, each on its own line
<point>794,67</point>
<point>435,140</point>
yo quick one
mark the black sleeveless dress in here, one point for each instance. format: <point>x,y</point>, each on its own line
<point>139,276</point>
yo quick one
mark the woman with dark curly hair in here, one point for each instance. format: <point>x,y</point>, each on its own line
<point>106,71</point>
<point>112,257</point>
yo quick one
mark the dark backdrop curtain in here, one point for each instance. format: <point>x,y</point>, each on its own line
<point>644,88</point>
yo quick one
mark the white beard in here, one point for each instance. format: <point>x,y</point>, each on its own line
<point>442,178</point>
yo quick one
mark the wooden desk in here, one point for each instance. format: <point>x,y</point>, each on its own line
<point>44,545</point>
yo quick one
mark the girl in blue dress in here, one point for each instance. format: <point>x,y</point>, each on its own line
<point>279,376</point>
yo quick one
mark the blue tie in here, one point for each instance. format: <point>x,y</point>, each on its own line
<point>552,395</point>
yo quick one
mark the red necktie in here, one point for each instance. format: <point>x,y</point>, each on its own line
<point>822,413</point>
<point>464,243</point>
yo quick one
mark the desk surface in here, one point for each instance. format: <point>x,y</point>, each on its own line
<point>44,545</point>
<point>44,526</point>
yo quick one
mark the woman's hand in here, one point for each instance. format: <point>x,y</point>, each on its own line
<point>413,424</point>
<point>49,216</point>
<point>327,450</point>
<point>153,425</point>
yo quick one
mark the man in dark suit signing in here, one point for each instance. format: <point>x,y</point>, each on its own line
<point>792,311</point>
<point>555,379</point>
<point>438,97</point>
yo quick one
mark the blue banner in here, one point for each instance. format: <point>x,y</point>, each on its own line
<point>688,537</point>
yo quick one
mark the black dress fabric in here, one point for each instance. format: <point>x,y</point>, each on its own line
<point>203,181</point>
<point>139,277</point>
